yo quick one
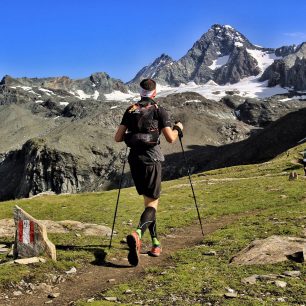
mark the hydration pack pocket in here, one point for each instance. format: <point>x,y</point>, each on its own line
<point>142,140</point>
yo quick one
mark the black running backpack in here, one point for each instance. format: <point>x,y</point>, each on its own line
<point>143,129</point>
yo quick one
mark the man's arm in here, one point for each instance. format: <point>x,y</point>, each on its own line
<point>119,136</point>
<point>170,134</point>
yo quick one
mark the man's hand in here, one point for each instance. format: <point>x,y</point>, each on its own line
<point>178,126</point>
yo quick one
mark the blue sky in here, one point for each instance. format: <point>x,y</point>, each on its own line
<point>76,38</point>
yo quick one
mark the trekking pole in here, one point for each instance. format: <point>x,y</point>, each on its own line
<point>180,134</point>
<point>118,196</point>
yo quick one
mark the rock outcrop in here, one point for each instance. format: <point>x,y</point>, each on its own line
<point>263,112</point>
<point>289,71</point>
<point>31,238</point>
<point>270,250</point>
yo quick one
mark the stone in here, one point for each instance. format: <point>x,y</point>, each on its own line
<point>17,293</point>
<point>111,298</point>
<point>30,260</point>
<point>128,291</point>
<point>280,284</point>
<point>210,253</point>
<point>53,295</point>
<point>112,280</point>
<point>4,250</point>
<point>270,250</point>
<point>250,280</point>
<point>7,228</point>
<point>267,277</point>
<point>292,273</point>
<point>44,287</point>
<point>31,237</point>
<point>71,271</point>
<point>230,295</point>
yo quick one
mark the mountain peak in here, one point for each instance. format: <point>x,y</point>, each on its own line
<point>222,27</point>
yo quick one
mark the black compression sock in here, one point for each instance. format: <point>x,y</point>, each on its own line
<point>147,218</point>
<point>153,233</point>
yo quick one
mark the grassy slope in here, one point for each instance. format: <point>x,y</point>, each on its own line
<point>193,278</point>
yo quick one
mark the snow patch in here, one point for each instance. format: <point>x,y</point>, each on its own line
<point>211,83</point>
<point>28,89</point>
<point>238,44</point>
<point>193,101</point>
<point>220,61</point>
<point>120,96</point>
<point>47,91</point>
<point>64,103</point>
<point>83,96</point>
<point>263,58</point>
<point>294,98</point>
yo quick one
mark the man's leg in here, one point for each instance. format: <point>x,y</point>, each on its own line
<point>148,216</point>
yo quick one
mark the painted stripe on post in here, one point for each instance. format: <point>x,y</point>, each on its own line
<point>20,230</point>
<point>26,231</point>
<point>32,231</point>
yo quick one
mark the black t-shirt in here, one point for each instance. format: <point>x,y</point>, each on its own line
<point>151,154</point>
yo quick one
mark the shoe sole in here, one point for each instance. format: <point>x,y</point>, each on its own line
<point>133,256</point>
<point>154,254</point>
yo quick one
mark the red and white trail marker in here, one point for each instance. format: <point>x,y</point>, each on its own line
<point>26,231</point>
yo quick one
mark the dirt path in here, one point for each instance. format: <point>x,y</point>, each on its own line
<point>93,279</point>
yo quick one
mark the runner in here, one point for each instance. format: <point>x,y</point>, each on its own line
<point>140,128</point>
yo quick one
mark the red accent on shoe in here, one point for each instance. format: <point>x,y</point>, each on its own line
<point>156,250</point>
<point>134,244</point>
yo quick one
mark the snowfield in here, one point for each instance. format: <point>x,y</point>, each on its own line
<point>249,87</point>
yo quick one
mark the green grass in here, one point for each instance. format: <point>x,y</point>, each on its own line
<point>262,189</point>
<point>193,278</point>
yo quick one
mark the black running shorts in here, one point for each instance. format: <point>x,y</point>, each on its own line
<point>147,177</point>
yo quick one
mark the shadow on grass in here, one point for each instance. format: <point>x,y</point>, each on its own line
<point>293,167</point>
<point>99,253</point>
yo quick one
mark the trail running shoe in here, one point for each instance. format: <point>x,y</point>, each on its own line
<point>155,251</point>
<point>134,243</point>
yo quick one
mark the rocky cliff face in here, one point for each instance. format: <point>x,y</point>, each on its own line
<point>289,71</point>
<point>261,113</point>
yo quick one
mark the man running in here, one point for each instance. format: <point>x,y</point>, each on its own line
<point>140,128</point>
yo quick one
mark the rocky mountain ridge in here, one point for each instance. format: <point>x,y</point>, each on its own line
<point>222,54</point>
<point>58,133</point>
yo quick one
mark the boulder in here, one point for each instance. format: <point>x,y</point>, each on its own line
<point>270,250</point>
<point>31,237</point>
